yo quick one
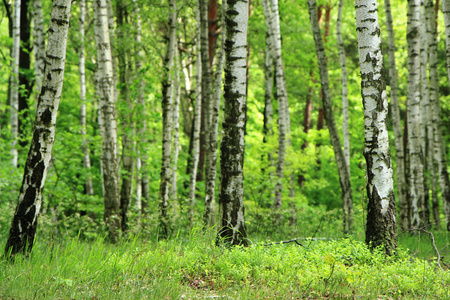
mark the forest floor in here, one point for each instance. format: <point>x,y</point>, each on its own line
<point>193,267</point>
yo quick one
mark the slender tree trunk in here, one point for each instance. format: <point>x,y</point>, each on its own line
<point>25,81</point>
<point>405,219</point>
<point>271,14</point>
<point>433,98</point>
<point>39,44</point>
<point>23,226</point>
<point>381,227</point>
<point>207,93</point>
<point>209,217</point>
<point>107,109</point>
<point>128,146</point>
<point>196,125</point>
<point>440,151</point>
<point>14,83</point>
<point>143,176</point>
<point>81,70</point>
<point>167,103</point>
<point>416,184</point>
<point>212,28</point>
<point>176,126</point>
<point>232,229</point>
<point>344,175</point>
<point>344,87</point>
<point>268,96</point>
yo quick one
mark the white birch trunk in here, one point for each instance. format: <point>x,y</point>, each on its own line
<point>344,87</point>
<point>381,227</point>
<point>400,156</point>
<point>209,217</point>
<point>23,226</point>
<point>197,124</point>
<point>108,121</point>
<point>232,229</point>
<point>82,75</point>
<point>14,79</point>
<point>167,103</point>
<point>142,181</point>
<point>272,15</point>
<point>431,127</point>
<point>441,153</point>
<point>416,188</point>
<point>344,176</point>
<point>38,44</point>
<point>176,126</point>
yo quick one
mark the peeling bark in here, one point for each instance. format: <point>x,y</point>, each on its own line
<point>381,227</point>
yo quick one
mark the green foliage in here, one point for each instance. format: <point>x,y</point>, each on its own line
<point>192,266</point>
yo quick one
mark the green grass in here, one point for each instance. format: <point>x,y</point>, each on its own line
<point>193,267</point>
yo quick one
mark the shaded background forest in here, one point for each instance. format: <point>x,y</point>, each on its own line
<point>67,208</point>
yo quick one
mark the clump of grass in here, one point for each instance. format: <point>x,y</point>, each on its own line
<point>193,267</point>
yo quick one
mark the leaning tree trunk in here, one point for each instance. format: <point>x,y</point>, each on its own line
<point>232,229</point>
<point>14,83</point>
<point>167,102</point>
<point>441,153</point>
<point>196,126</point>
<point>128,146</point>
<point>400,156</point>
<point>344,87</point>
<point>107,108</point>
<point>39,44</point>
<point>81,70</point>
<point>416,183</point>
<point>23,226</point>
<point>209,217</point>
<point>344,175</point>
<point>381,227</point>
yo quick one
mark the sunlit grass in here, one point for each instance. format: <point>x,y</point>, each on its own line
<point>193,267</point>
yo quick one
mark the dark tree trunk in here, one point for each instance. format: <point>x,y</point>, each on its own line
<point>25,81</point>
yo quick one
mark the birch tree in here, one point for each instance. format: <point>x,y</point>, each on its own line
<point>232,229</point>
<point>127,111</point>
<point>272,15</point>
<point>209,217</point>
<point>23,226</point>
<point>107,120</point>
<point>344,175</point>
<point>416,177</point>
<point>167,103</point>
<point>141,161</point>
<point>404,207</point>
<point>440,151</point>
<point>197,124</point>
<point>14,83</point>
<point>176,126</point>
<point>344,87</point>
<point>39,44</point>
<point>82,75</point>
<point>381,226</point>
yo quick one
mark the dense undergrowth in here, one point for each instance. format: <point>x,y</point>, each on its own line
<point>193,267</point>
